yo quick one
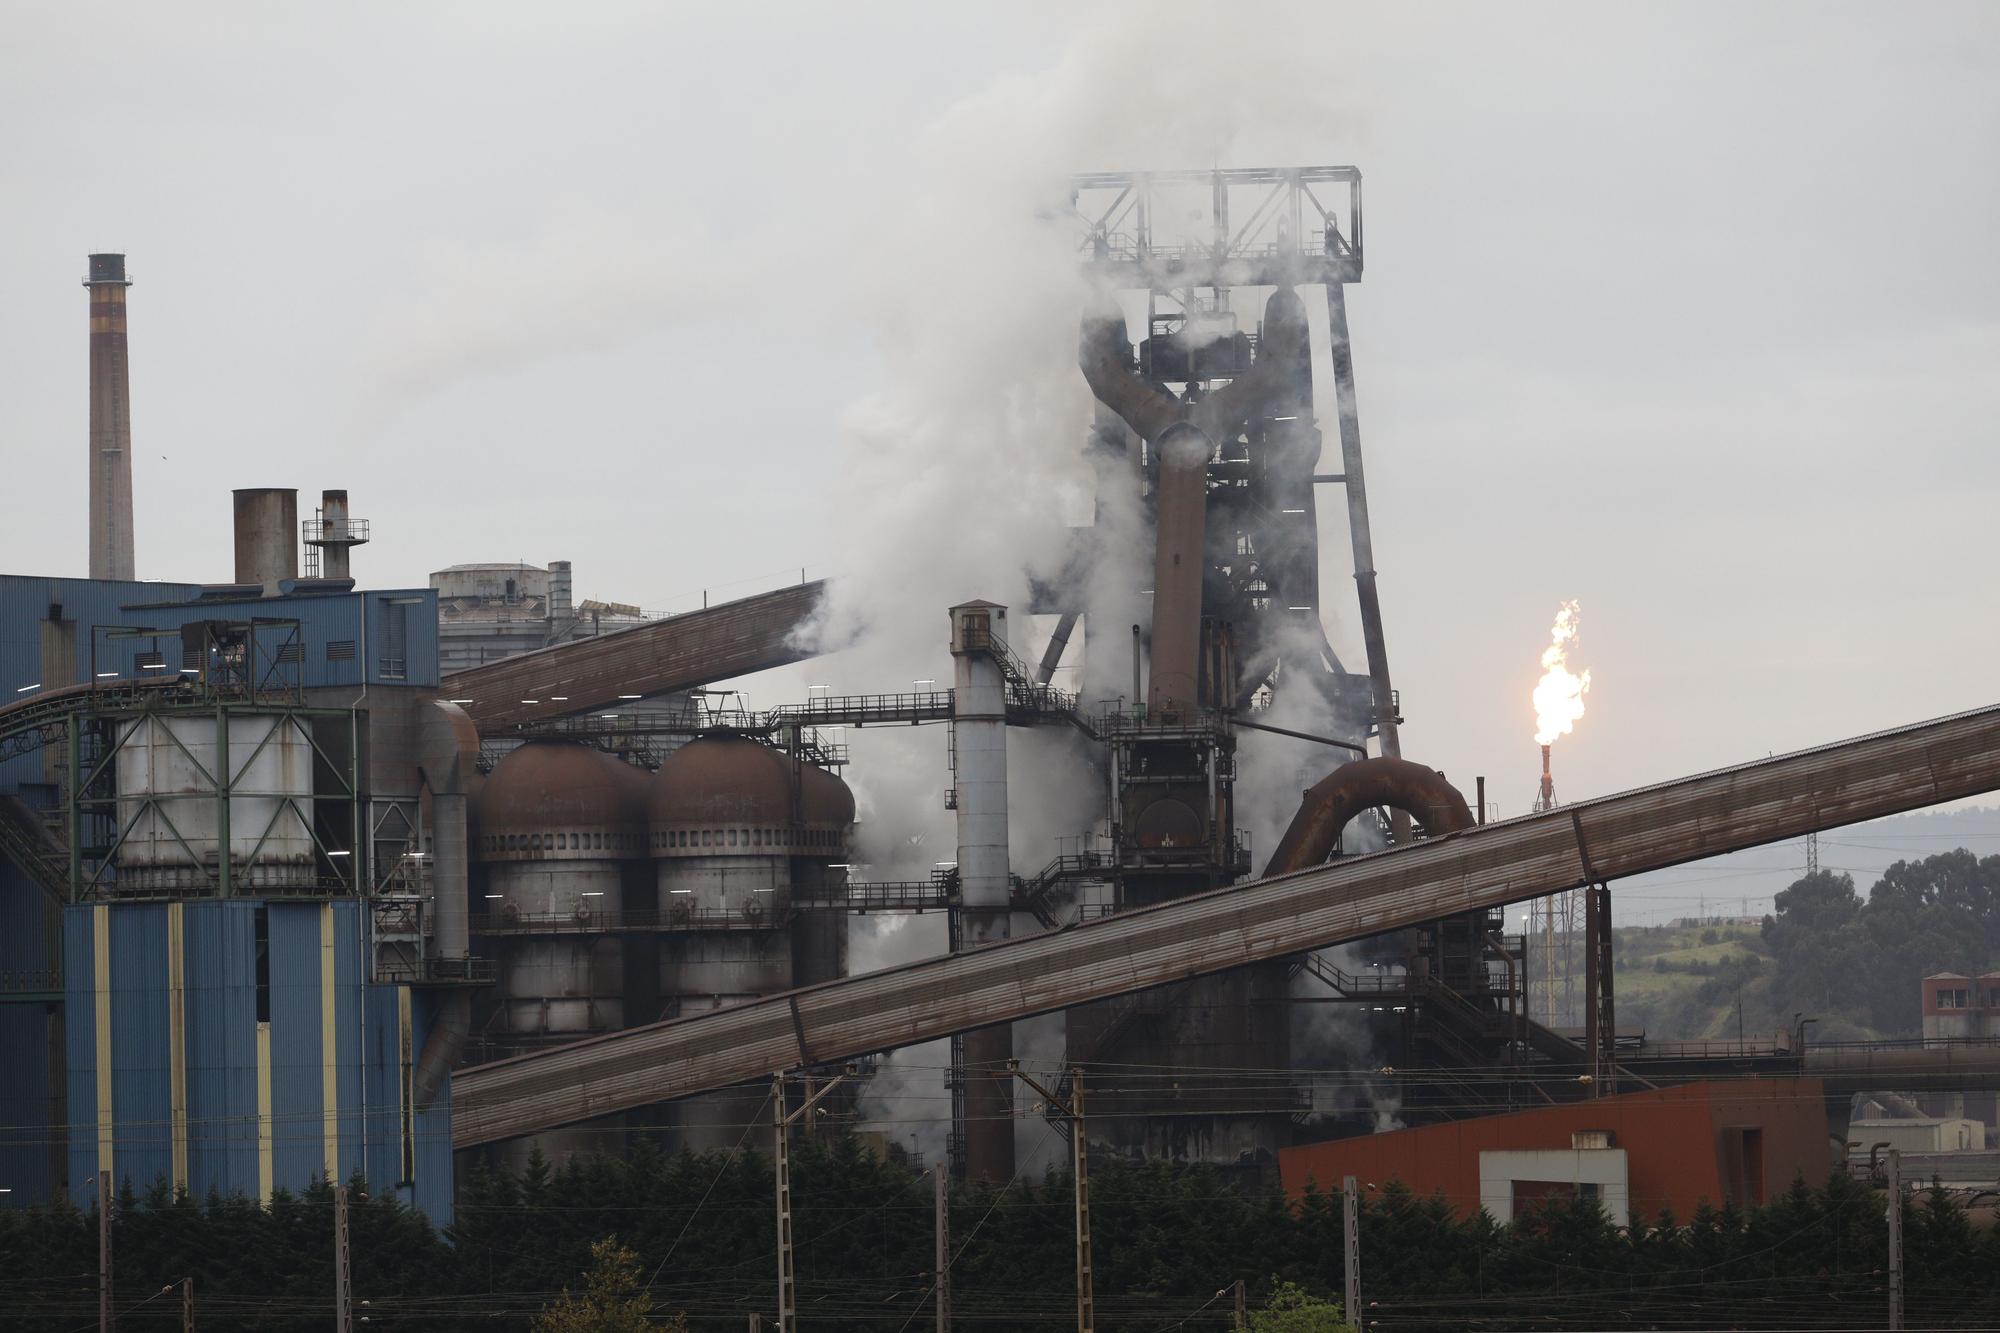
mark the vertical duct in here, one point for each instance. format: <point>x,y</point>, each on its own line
<point>110,422</point>
<point>448,757</point>
<point>267,526</point>
<point>979,746</point>
<point>561,588</point>
<point>335,538</point>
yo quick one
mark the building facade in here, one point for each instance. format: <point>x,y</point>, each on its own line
<point>1639,1154</point>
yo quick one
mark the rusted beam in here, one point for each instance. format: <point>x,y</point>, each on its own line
<point>715,643</point>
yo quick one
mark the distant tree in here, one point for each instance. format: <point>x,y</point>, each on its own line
<point>1293,1309</point>
<point>1818,951</point>
<point>613,1299</point>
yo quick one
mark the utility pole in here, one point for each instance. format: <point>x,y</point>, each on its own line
<point>1079,1162</point>
<point>343,1289</point>
<point>781,1156</point>
<point>942,1268</point>
<point>1350,1234</point>
<point>105,1322</point>
<point>1242,1306</point>
<point>1895,1163</point>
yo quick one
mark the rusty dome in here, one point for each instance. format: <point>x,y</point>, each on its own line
<point>824,800</point>
<point>730,792</point>
<point>561,799</point>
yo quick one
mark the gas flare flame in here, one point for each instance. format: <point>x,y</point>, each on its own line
<point>1559,693</point>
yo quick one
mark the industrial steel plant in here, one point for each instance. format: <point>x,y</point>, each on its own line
<point>306,876</point>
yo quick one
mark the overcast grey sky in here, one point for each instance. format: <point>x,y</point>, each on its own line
<point>1685,311</point>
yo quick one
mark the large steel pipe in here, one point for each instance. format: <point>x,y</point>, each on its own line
<point>1183,435</point>
<point>1422,793</point>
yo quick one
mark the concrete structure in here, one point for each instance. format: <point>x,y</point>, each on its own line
<point>110,421</point>
<point>267,542</point>
<point>1956,1005</point>
<point>1918,1134</point>
<point>1513,1181</point>
<point>979,793</point>
<point>1669,1150</point>
<point>490,612</point>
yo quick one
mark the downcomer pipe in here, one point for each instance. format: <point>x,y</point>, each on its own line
<point>1183,436</point>
<point>1397,783</point>
<point>447,756</point>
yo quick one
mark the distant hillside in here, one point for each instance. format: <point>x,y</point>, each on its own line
<point>1685,982</point>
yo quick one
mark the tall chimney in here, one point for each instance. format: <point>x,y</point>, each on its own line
<point>110,422</point>
<point>267,529</point>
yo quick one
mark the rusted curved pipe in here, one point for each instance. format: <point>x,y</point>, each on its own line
<point>1399,784</point>
<point>1183,436</point>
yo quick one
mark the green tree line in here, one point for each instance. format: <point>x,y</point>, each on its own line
<point>1855,963</point>
<point>1170,1243</point>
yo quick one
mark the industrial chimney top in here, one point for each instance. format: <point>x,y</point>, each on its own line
<point>107,270</point>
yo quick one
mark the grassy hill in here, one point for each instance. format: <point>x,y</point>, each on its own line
<point>1685,983</point>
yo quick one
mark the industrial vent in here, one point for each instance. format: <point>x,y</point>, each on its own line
<point>340,650</point>
<point>292,652</point>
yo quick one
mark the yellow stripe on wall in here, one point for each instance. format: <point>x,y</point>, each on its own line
<point>100,945</point>
<point>177,1038</point>
<point>264,1168</point>
<point>329,1048</point>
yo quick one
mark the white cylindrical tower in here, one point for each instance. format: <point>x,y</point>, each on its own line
<point>979,782</point>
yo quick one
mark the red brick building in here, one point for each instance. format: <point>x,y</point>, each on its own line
<point>1671,1148</point>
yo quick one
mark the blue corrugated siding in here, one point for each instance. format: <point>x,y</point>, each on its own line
<point>356,1088</point>
<point>222,1047</point>
<point>298,1154</point>
<point>433,1186</point>
<point>24,605</point>
<point>80,1046</point>
<point>141,1102</point>
<point>28,1112</point>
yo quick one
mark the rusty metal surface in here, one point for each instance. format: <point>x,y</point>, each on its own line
<point>1489,866</point>
<point>1184,435</point>
<point>1337,798</point>
<point>716,643</point>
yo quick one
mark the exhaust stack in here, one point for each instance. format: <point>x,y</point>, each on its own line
<point>110,422</point>
<point>267,551</point>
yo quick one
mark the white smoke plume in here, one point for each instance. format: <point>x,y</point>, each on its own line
<point>964,470</point>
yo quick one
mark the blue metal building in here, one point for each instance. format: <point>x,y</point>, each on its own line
<point>238,1047</point>
<point>237,1044</point>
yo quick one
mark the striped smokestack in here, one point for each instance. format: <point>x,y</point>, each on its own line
<point>110,422</point>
